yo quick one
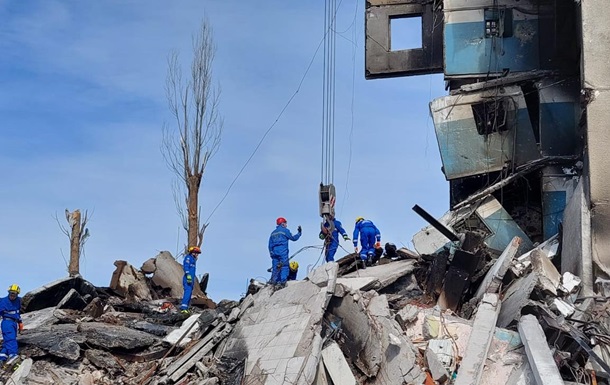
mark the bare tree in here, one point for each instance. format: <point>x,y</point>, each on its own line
<point>78,233</point>
<point>194,138</point>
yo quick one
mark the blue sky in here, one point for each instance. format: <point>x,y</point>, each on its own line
<point>82,104</point>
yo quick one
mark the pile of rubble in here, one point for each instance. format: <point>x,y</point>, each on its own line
<point>463,314</point>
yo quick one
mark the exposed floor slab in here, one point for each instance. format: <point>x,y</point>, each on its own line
<point>385,274</point>
<point>279,335</point>
<point>539,355</point>
<point>471,368</point>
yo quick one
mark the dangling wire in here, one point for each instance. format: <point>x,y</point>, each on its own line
<point>328,93</point>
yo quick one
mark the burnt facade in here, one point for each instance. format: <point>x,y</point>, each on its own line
<point>514,125</point>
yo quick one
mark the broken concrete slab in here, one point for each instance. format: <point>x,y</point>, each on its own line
<point>374,341</point>
<point>129,282</point>
<point>337,366</point>
<point>363,340</point>
<point>52,293</point>
<point>515,298</point>
<point>569,282</point>
<point>151,328</point>
<point>358,283</point>
<point>323,274</point>
<point>95,308</point>
<point>523,262</point>
<point>58,340</point>
<point>115,336</point>
<point>102,359</point>
<point>178,369</point>
<point>549,278</point>
<point>245,304</point>
<point>149,266</point>
<point>21,373</point>
<point>493,279</point>
<point>455,332</point>
<point>72,300</point>
<point>399,362</point>
<point>322,377</point>
<point>38,318</point>
<point>168,275</point>
<point>406,315</point>
<point>384,274</point>
<point>437,370</point>
<point>182,335</point>
<point>279,336</point>
<point>471,368</point>
<point>539,355</point>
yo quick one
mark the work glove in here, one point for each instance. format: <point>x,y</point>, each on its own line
<point>322,236</point>
<point>345,237</point>
<point>299,229</point>
<point>20,327</point>
<point>378,245</point>
<point>355,249</point>
<point>189,279</point>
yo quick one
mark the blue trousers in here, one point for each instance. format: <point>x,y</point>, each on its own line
<point>331,250</point>
<point>279,274</point>
<point>367,241</point>
<point>9,337</point>
<point>188,291</point>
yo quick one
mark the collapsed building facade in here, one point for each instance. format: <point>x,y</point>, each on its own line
<point>522,137</point>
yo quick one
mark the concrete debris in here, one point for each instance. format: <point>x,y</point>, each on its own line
<point>493,279</point>
<point>408,319</point>
<point>337,366</point>
<point>435,366</point>
<point>471,368</point>
<point>539,355</point>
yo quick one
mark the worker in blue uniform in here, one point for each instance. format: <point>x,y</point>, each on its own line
<point>331,239</point>
<point>11,323</point>
<point>188,280</point>
<point>370,239</point>
<point>294,270</point>
<point>278,251</point>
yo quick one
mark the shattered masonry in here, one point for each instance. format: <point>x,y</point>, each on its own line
<point>510,286</point>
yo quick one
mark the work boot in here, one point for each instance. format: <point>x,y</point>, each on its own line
<point>185,311</point>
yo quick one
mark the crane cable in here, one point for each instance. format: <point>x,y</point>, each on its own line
<point>328,93</point>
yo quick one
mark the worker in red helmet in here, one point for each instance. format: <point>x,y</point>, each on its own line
<point>278,251</point>
<point>188,280</point>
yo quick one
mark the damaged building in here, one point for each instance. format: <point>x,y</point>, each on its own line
<point>521,138</point>
<point>510,286</point>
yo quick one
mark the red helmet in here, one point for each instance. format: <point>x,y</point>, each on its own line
<point>280,220</point>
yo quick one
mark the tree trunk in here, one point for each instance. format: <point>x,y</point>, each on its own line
<point>193,212</point>
<point>74,268</point>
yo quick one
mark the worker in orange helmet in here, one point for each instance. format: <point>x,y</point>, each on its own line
<point>11,323</point>
<point>188,281</point>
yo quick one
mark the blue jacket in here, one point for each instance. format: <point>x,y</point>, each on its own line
<point>338,229</point>
<point>10,309</point>
<point>365,226</point>
<point>278,241</point>
<point>189,265</point>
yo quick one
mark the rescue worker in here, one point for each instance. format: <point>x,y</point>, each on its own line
<point>188,281</point>
<point>11,323</point>
<point>278,251</point>
<point>370,239</point>
<point>331,240</point>
<point>294,270</point>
